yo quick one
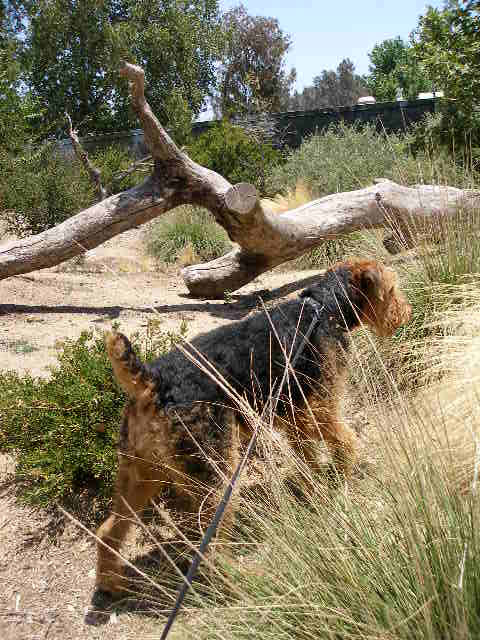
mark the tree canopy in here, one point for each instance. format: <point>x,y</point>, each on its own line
<point>337,88</point>
<point>253,76</point>
<point>73,47</point>
<point>394,66</point>
<point>447,43</point>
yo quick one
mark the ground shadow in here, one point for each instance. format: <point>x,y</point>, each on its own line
<point>241,305</point>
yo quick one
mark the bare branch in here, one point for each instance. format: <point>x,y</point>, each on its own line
<point>94,173</point>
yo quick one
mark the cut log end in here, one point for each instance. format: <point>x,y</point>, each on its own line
<point>241,198</point>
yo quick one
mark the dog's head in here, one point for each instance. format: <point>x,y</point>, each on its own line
<point>363,291</point>
<point>379,301</point>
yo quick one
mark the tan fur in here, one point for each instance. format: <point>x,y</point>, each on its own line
<point>149,463</point>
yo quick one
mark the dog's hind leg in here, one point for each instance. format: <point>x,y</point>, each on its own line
<point>133,490</point>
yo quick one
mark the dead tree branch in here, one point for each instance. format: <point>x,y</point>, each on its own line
<point>94,174</point>
<point>265,238</point>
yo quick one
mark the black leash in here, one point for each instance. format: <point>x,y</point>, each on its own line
<point>212,528</point>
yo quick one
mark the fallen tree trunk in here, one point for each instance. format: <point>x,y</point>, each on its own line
<point>281,237</point>
<point>265,238</point>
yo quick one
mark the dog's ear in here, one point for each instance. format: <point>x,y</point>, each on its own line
<point>371,283</point>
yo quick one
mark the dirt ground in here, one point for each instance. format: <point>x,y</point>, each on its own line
<point>46,583</point>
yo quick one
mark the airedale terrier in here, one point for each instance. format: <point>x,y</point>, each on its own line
<point>181,429</point>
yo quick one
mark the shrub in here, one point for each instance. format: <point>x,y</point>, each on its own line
<point>64,430</point>
<point>112,161</point>
<point>188,233</point>
<point>345,158</point>
<point>234,154</point>
<point>40,190</point>
<point>451,132</point>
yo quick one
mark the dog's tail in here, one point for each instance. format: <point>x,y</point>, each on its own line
<point>129,371</point>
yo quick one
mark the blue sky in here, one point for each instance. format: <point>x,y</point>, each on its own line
<point>323,33</point>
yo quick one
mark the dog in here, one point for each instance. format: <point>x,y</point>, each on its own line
<point>181,430</point>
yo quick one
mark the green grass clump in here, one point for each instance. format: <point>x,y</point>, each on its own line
<point>63,430</point>
<point>188,234</point>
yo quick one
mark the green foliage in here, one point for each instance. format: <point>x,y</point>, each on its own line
<point>112,161</point>
<point>253,77</point>
<point>73,50</point>
<point>447,45</point>
<point>20,114</point>
<point>40,190</point>
<point>394,66</point>
<point>345,158</point>
<point>177,44</point>
<point>235,155</point>
<point>187,229</point>
<point>64,430</point>
<point>450,132</point>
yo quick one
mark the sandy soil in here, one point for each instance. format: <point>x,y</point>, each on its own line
<point>46,581</point>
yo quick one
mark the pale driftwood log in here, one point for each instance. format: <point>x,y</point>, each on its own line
<point>265,238</point>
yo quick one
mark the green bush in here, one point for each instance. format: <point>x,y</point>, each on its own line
<point>63,431</point>
<point>345,158</point>
<point>452,132</point>
<point>187,230</point>
<point>112,161</point>
<point>238,157</point>
<point>40,190</point>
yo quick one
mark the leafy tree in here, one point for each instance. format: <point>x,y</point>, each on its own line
<point>73,48</point>
<point>253,77</point>
<point>394,66</point>
<point>447,44</point>
<point>331,89</point>
<point>19,113</point>
<point>178,43</point>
